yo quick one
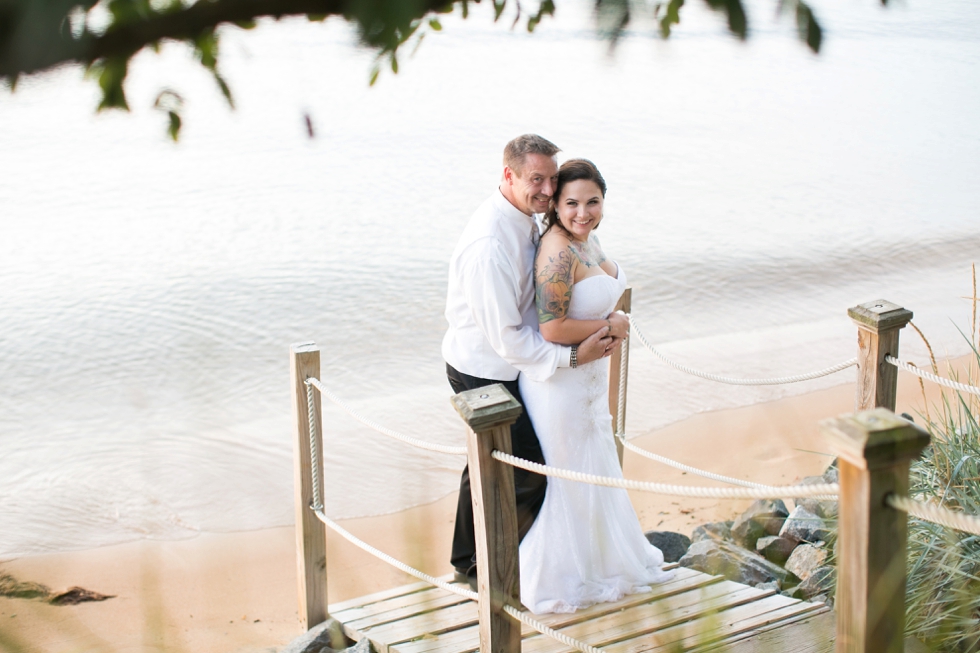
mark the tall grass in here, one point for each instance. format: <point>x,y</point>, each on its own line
<point>943,595</point>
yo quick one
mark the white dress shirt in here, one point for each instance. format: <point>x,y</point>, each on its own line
<point>493,320</point>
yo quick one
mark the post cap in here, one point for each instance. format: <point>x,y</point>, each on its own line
<point>880,315</point>
<point>303,347</point>
<point>486,407</point>
<point>874,438</point>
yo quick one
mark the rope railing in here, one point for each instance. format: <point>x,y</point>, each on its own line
<point>929,376</point>
<point>936,514</point>
<point>634,328</point>
<point>407,439</point>
<point>818,490</point>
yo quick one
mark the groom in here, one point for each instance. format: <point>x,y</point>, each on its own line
<point>493,324</point>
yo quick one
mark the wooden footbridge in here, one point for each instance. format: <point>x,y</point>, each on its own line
<point>691,612</point>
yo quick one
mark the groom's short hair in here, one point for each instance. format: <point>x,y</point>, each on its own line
<point>516,151</point>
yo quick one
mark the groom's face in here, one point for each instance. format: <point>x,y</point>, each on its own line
<point>533,188</point>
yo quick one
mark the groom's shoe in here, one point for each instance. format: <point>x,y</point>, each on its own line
<point>467,576</point>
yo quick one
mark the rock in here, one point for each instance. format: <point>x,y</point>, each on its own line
<point>774,548</point>
<point>820,508</point>
<point>831,475</point>
<point>672,545</point>
<point>763,517</point>
<point>719,530</point>
<point>804,526</point>
<point>823,580</point>
<point>771,585</point>
<point>822,598</point>
<point>734,563</point>
<point>76,595</point>
<point>12,588</point>
<point>327,637</point>
<point>793,593</point>
<point>805,559</point>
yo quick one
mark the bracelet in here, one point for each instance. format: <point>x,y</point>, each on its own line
<point>573,360</point>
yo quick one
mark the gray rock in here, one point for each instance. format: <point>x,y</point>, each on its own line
<point>672,545</point>
<point>327,637</point>
<point>734,563</point>
<point>763,517</point>
<point>805,559</point>
<point>831,475</point>
<point>823,580</point>
<point>793,593</point>
<point>719,530</point>
<point>771,585</point>
<point>774,548</point>
<point>804,526</point>
<point>821,508</point>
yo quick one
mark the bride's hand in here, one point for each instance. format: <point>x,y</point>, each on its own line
<point>619,325</point>
<point>613,346</point>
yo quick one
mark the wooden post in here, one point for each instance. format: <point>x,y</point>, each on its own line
<point>875,449</point>
<point>878,325</point>
<point>617,361</point>
<point>311,536</point>
<point>489,413</point>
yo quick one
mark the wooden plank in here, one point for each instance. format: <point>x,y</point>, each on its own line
<point>763,615</point>
<point>642,619</point>
<point>811,632</point>
<point>705,628</point>
<point>383,595</point>
<point>432,602</point>
<point>387,605</point>
<point>311,535</point>
<point>436,622</point>
<point>468,639</point>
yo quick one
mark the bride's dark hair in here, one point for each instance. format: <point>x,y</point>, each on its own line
<point>571,170</point>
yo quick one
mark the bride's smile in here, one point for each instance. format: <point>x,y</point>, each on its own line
<point>580,208</point>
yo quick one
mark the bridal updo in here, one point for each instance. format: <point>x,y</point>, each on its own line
<point>572,170</point>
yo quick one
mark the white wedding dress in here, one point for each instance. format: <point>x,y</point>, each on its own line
<point>586,545</point>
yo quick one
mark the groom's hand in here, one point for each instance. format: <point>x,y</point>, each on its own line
<point>619,325</point>
<point>596,346</point>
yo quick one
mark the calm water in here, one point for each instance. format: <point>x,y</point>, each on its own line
<point>150,292</point>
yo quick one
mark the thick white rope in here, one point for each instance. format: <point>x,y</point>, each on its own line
<point>526,619</point>
<point>394,562</point>
<point>407,439</point>
<point>733,381</point>
<point>687,468</point>
<point>928,376</point>
<point>766,492</point>
<point>935,514</point>
<point>455,589</point>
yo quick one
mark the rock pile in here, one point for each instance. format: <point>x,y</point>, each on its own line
<point>769,546</point>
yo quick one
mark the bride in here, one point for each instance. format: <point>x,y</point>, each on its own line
<point>586,545</point>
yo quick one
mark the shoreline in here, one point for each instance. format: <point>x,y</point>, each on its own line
<point>237,592</point>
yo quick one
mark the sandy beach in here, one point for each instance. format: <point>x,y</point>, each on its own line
<point>236,592</point>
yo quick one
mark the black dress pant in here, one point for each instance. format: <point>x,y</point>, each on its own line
<point>529,487</point>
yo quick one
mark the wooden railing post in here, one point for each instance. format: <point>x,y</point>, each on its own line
<point>878,325</point>
<point>489,413</point>
<point>311,536</point>
<point>875,449</point>
<point>618,360</point>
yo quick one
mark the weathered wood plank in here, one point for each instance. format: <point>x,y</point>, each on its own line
<point>630,623</point>
<point>764,614</point>
<point>807,633</point>
<point>434,601</point>
<point>392,592</point>
<point>698,631</point>
<point>387,605</point>
<point>468,639</point>
<point>449,618</point>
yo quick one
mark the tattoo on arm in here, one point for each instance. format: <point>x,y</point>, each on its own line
<point>553,287</point>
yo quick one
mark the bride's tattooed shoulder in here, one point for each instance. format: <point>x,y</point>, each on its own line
<point>588,253</point>
<point>553,285</point>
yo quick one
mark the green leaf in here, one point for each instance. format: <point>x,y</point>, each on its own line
<point>498,8</point>
<point>173,129</point>
<point>248,24</point>
<point>112,73</point>
<point>394,63</point>
<point>223,85</point>
<point>672,16</point>
<point>435,24</point>
<point>375,71</point>
<point>206,46</point>
<point>808,27</point>
<point>316,18</point>
<point>466,9</point>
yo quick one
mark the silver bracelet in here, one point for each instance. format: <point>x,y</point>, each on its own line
<point>573,359</point>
